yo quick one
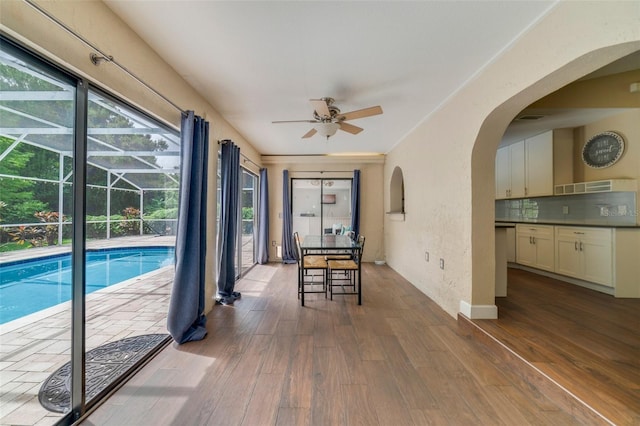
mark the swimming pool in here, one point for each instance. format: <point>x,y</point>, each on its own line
<point>30,285</point>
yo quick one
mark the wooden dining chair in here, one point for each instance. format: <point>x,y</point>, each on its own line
<point>346,274</point>
<point>308,264</point>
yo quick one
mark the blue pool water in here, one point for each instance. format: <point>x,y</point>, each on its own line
<point>30,285</point>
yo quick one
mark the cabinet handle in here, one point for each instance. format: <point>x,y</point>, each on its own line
<point>526,191</point>
<point>530,240</point>
<point>581,246</point>
<point>534,240</point>
<point>575,246</point>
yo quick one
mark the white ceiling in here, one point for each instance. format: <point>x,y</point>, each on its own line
<point>256,62</point>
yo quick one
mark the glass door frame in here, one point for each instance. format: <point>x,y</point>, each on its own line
<point>321,185</point>
<point>79,406</point>
<point>240,268</point>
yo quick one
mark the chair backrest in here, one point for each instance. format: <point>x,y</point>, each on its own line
<point>296,241</point>
<point>361,244</point>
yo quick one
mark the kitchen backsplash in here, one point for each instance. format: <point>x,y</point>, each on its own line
<point>604,208</point>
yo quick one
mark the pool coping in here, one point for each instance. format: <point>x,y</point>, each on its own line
<point>66,253</point>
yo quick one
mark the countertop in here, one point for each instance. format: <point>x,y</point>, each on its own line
<point>510,224</point>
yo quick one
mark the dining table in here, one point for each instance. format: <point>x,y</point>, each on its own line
<point>333,244</point>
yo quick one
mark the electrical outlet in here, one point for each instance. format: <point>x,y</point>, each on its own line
<point>441,263</point>
<point>565,209</point>
<point>426,256</point>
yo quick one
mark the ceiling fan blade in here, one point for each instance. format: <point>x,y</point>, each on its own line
<point>350,128</point>
<point>294,121</point>
<point>309,133</point>
<point>361,113</point>
<point>321,107</point>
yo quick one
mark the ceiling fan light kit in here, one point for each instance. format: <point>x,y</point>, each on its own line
<point>327,118</point>
<point>327,129</point>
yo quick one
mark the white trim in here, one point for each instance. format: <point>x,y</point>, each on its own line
<point>370,158</point>
<point>478,311</point>
<point>395,217</point>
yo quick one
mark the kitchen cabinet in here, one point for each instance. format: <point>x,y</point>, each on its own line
<point>525,168</point>
<point>539,165</point>
<point>534,246</point>
<point>585,253</point>
<point>510,175</point>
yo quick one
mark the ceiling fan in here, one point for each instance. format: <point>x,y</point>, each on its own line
<point>328,118</point>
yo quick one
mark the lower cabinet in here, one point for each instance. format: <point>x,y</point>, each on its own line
<point>534,246</point>
<point>585,253</point>
<point>607,257</point>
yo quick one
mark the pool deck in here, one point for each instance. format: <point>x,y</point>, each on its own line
<point>137,241</point>
<point>33,347</point>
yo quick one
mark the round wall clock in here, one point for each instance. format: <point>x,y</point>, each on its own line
<point>603,150</point>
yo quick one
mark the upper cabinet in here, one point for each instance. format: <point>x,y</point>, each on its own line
<point>525,168</point>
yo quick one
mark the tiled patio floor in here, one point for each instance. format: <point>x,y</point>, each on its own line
<point>33,347</point>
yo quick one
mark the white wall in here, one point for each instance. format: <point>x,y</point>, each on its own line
<point>448,160</point>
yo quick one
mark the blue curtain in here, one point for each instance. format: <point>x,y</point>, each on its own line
<point>227,233</point>
<point>288,251</point>
<point>263,219</point>
<point>355,203</point>
<point>186,320</point>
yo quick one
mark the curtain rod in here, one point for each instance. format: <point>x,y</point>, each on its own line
<point>249,160</point>
<point>96,60</point>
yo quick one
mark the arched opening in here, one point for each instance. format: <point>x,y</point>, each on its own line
<point>396,191</point>
<point>484,153</point>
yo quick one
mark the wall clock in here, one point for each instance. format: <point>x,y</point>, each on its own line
<point>603,150</point>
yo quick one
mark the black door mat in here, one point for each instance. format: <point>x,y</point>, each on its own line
<point>103,365</point>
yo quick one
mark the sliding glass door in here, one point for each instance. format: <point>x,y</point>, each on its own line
<point>247,217</point>
<point>247,229</point>
<point>320,206</point>
<point>88,209</point>
<point>37,137</point>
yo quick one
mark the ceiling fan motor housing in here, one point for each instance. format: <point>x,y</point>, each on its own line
<point>333,111</point>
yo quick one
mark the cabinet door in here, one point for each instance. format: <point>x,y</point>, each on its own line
<point>597,257</point>
<point>545,258</point>
<point>525,249</point>
<point>503,173</point>
<point>539,165</point>
<point>568,257</point>
<point>517,152</point>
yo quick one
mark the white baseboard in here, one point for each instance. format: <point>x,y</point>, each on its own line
<point>478,311</point>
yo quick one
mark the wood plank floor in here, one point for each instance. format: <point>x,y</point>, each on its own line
<point>587,342</point>
<point>396,360</point>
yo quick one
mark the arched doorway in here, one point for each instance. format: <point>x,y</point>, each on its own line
<point>484,151</point>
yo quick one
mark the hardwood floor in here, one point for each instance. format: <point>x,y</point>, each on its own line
<point>396,360</point>
<point>585,341</point>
